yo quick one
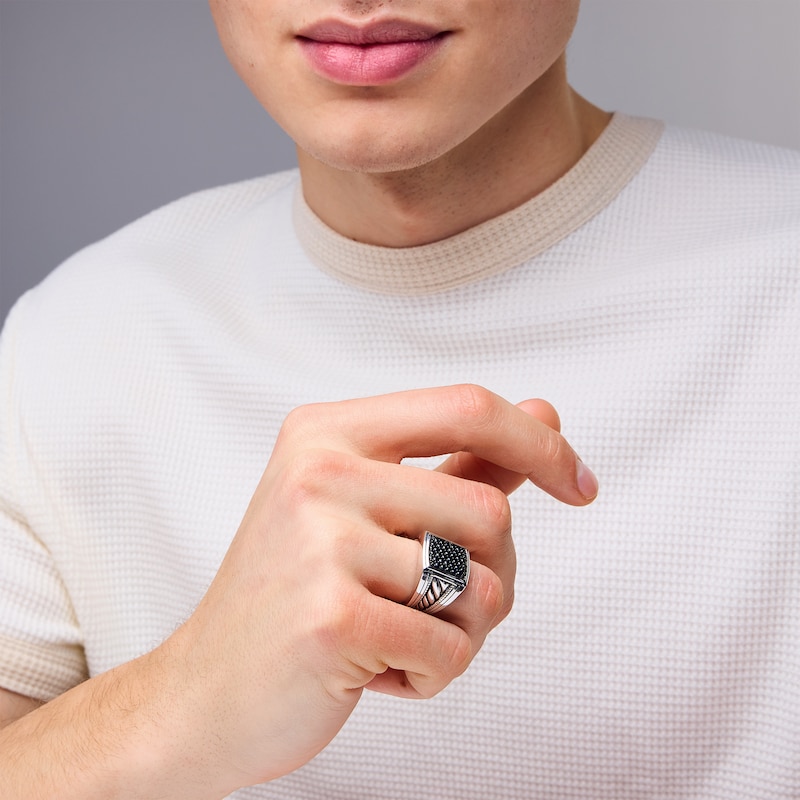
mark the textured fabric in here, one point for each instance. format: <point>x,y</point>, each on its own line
<point>499,243</point>
<point>654,648</point>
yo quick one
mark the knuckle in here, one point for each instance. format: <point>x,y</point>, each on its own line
<point>461,654</point>
<point>454,657</point>
<point>475,404</point>
<point>295,421</point>
<point>300,421</point>
<point>349,622</point>
<point>495,507</point>
<point>310,473</point>
<point>490,593</point>
<point>505,608</point>
<point>338,618</point>
<point>554,448</point>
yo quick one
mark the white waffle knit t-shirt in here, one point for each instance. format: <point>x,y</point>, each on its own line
<point>652,295</point>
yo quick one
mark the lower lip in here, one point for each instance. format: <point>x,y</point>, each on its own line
<point>371,65</point>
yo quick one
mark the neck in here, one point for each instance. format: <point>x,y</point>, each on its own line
<point>519,153</point>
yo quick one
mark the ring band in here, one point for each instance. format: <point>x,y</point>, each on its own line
<point>445,572</point>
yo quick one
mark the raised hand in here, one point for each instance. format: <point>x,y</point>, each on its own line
<point>308,606</point>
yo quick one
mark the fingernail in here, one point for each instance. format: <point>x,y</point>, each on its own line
<point>587,482</point>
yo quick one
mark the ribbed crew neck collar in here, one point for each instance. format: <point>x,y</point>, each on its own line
<point>497,244</point>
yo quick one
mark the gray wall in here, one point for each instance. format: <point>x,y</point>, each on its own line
<point>109,108</point>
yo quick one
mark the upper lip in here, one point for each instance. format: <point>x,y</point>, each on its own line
<point>382,32</point>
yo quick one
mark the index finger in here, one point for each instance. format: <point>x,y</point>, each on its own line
<point>452,419</point>
<point>472,468</point>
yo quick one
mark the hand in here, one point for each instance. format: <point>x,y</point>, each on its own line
<point>308,609</point>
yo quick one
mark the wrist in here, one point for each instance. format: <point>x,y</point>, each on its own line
<point>128,734</point>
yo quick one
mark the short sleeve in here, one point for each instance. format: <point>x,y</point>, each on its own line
<point>41,650</point>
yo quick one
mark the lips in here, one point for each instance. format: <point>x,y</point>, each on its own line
<point>372,55</point>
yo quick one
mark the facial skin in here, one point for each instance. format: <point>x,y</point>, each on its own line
<point>472,111</point>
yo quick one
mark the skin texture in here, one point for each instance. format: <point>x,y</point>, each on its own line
<point>399,164</point>
<point>270,665</point>
<point>13,706</point>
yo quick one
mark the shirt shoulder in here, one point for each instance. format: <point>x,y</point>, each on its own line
<point>195,212</point>
<point>180,236</point>
<point>181,252</point>
<point>187,276</point>
<point>726,172</point>
<point>705,196</point>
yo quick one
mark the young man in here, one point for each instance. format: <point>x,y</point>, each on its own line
<point>461,219</point>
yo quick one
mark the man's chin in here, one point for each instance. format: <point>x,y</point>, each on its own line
<point>375,157</point>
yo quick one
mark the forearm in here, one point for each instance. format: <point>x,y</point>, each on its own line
<point>122,735</point>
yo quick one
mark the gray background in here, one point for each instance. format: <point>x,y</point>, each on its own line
<point>109,108</point>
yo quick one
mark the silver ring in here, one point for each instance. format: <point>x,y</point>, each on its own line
<point>445,572</point>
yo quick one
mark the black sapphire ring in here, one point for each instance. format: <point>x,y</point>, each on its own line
<point>445,572</point>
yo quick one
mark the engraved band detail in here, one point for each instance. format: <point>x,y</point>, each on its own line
<point>445,572</point>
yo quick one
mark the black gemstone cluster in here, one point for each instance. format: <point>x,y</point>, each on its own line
<point>448,557</point>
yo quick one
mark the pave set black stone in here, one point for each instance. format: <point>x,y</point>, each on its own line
<point>448,557</point>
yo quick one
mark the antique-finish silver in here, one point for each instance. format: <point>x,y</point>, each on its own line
<point>445,572</point>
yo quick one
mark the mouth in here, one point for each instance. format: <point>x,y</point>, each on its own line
<point>384,32</point>
<point>370,55</point>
